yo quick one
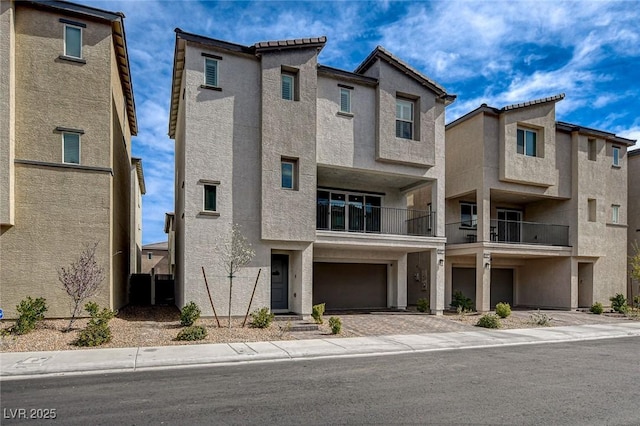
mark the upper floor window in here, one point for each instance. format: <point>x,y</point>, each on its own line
<point>288,86</point>
<point>468,214</point>
<point>616,156</point>
<point>345,100</point>
<point>210,195</point>
<point>527,142</point>
<point>71,148</point>
<point>289,171</point>
<point>593,149</point>
<point>73,41</point>
<point>615,213</point>
<point>210,72</point>
<point>404,118</point>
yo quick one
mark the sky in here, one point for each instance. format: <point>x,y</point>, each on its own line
<point>492,52</point>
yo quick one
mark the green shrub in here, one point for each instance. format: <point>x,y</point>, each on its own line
<point>336,325</point>
<point>31,311</point>
<point>636,301</point>
<point>597,308</point>
<point>97,332</point>
<point>261,318</point>
<point>423,305</point>
<point>540,318</point>
<point>461,302</point>
<point>489,321</point>
<point>503,310</point>
<point>191,333</point>
<point>317,312</point>
<point>619,303</point>
<point>189,314</point>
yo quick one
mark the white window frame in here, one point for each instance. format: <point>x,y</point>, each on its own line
<point>293,86</point>
<point>524,141</point>
<point>216,65</point>
<point>615,213</point>
<point>403,103</point>
<point>65,40</point>
<point>615,153</point>
<point>79,147</point>
<point>474,217</point>
<point>204,197</point>
<point>348,94</point>
<point>294,167</point>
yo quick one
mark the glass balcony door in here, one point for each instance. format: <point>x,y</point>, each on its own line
<point>509,225</point>
<point>343,211</point>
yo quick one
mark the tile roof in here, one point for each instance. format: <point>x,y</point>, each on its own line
<point>555,98</point>
<point>298,42</point>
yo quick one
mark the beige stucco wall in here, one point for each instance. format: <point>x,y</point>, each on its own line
<point>59,208</point>
<point>7,112</point>
<point>633,217</point>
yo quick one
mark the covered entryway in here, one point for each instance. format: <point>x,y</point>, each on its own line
<point>350,285</point>
<point>279,282</point>
<point>585,284</point>
<point>501,286</point>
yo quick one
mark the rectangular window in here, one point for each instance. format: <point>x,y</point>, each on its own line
<point>615,213</point>
<point>210,72</point>
<point>468,214</point>
<point>288,86</point>
<point>404,119</point>
<point>592,149</point>
<point>210,198</point>
<point>150,256</point>
<point>527,142</point>
<point>616,156</point>
<point>289,173</point>
<point>72,41</point>
<point>592,209</point>
<point>345,100</point>
<point>71,148</point>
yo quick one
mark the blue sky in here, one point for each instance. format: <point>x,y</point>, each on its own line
<point>491,52</point>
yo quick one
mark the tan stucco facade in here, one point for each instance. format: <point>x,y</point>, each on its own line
<point>545,210</point>
<point>633,218</point>
<point>60,207</point>
<point>236,137</point>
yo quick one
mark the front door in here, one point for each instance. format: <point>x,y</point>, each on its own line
<point>279,281</point>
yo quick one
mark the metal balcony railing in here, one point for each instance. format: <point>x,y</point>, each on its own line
<point>510,231</point>
<point>377,220</point>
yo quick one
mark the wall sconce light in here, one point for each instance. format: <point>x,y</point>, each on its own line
<point>441,262</point>
<point>486,265</point>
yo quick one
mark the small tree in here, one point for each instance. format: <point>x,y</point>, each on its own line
<point>634,268</point>
<point>82,279</point>
<point>236,253</point>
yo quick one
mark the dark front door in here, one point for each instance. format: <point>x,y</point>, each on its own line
<point>279,281</point>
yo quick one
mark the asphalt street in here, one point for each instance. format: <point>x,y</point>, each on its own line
<point>582,383</point>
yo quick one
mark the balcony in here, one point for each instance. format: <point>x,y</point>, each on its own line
<point>510,232</point>
<point>369,219</point>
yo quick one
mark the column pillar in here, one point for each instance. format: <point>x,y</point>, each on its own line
<point>483,281</point>
<point>401,282</point>
<point>573,288</point>
<point>436,289</point>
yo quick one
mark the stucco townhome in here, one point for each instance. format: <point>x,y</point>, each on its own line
<point>335,177</point>
<point>536,209</point>
<point>67,178</point>
<point>633,166</point>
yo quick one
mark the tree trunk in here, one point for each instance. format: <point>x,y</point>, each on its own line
<point>230,289</point>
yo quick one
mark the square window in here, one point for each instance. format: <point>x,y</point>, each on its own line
<point>468,215</point>
<point>288,86</point>
<point>615,213</point>
<point>527,142</point>
<point>210,198</point>
<point>404,119</point>
<point>210,72</point>
<point>71,148</point>
<point>345,100</point>
<point>616,156</point>
<point>73,41</point>
<point>289,173</point>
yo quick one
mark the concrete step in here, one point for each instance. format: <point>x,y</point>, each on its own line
<point>287,317</point>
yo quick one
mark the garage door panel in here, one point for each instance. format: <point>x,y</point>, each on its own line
<point>350,285</point>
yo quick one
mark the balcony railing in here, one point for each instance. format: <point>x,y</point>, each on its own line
<point>511,232</point>
<point>374,220</point>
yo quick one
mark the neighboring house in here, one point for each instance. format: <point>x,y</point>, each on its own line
<point>318,166</point>
<point>633,165</point>
<point>155,259</point>
<point>536,209</point>
<point>169,229</point>
<point>67,178</point>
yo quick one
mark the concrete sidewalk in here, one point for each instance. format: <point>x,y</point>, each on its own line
<point>29,364</point>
